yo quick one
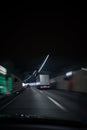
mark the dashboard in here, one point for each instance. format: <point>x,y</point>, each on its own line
<point>40,124</point>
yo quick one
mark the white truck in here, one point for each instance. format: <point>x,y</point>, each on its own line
<point>44,81</point>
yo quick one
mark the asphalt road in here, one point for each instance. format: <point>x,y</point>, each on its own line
<point>47,103</point>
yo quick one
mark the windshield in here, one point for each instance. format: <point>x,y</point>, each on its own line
<point>43,63</point>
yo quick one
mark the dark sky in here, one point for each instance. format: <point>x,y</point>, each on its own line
<point>28,34</point>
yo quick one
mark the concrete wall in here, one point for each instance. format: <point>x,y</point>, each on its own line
<point>77,83</point>
<point>61,83</point>
<point>81,81</point>
<point>16,82</point>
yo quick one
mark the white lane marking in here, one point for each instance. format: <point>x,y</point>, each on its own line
<point>41,91</point>
<point>8,103</point>
<point>36,91</point>
<point>33,89</point>
<point>56,103</point>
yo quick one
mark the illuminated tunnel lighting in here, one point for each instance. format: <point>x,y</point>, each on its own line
<point>31,84</point>
<point>23,84</point>
<point>34,72</point>
<point>43,63</point>
<point>34,84</point>
<point>85,69</point>
<point>1,86</point>
<point>69,73</point>
<point>27,78</point>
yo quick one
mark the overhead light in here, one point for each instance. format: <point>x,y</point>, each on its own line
<point>34,83</point>
<point>43,63</point>
<point>27,78</point>
<point>34,72</point>
<point>69,73</point>
<point>85,69</point>
<point>1,87</point>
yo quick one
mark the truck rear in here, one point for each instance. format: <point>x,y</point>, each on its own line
<point>44,81</point>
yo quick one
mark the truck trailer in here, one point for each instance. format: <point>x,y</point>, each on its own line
<point>43,80</point>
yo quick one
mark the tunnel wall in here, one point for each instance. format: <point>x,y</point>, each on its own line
<point>81,81</point>
<point>78,82</point>
<point>16,82</point>
<point>61,83</point>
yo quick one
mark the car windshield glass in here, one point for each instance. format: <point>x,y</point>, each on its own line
<point>43,63</point>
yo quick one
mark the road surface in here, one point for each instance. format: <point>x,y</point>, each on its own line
<point>46,103</point>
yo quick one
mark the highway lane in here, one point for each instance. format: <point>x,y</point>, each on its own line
<point>45,103</point>
<point>75,103</point>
